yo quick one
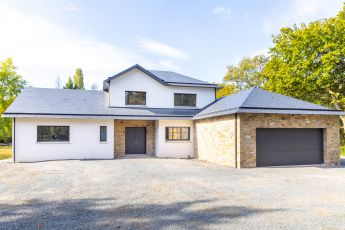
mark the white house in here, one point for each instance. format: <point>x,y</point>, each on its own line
<point>166,114</point>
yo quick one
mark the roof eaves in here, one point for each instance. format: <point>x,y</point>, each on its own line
<point>193,84</point>
<point>218,113</point>
<point>90,115</point>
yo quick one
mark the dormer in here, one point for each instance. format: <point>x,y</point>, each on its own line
<point>140,88</point>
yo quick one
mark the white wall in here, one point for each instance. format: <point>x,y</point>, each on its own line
<point>84,140</point>
<point>174,149</point>
<point>157,95</point>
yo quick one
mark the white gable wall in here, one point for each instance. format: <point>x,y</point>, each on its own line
<point>157,94</point>
<point>84,140</point>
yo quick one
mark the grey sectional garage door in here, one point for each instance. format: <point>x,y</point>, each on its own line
<point>275,147</point>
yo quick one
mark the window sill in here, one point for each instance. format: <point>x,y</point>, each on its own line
<point>179,141</point>
<point>103,142</point>
<point>53,142</point>
<point>137,106</point>
<point>185,107</point>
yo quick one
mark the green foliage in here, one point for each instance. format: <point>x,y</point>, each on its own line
<point>226,89</point>
<point>77,82</point>
<point>79,79</point>
<point>342,150</point>
<point>69,84</point>
<point>11,84</point>
<point>247,74</point>
<point>308,62</point>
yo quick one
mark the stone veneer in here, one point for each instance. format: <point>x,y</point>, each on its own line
<point>119,135</point>
<point>214,140</point>
<point>246,146</point>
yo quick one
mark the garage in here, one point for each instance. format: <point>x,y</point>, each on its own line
<point>289,146</point>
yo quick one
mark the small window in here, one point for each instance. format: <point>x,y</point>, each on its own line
<point>103,133</point>
<point>181,99</point>
<point>52,133</point>
<point>177,133</point>
<point>135,98</point>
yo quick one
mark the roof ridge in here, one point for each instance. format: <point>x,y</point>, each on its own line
<point>250,92</point>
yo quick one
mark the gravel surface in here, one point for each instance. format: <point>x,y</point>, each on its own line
<point>150,193</point>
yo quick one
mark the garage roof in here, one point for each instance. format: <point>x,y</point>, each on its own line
<point>256,100</point>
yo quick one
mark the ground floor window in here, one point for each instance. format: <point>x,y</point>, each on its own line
<point>177,133</point>
<point>103,133</point>
<point>52,133</point>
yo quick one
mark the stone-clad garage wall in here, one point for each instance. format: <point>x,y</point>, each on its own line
<point>215,140</point>
<point>249,122</point>
<point>215,137</point>
<point>119,135</point>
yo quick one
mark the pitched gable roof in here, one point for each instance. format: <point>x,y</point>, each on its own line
<point>164,77</point>
<point>257,100</point>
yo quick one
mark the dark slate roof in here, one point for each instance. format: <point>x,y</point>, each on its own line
<point>256,100</point>
<point>172,77</point>
<point>71,102</point>
<point>92,103</point>
<point>166,78</point>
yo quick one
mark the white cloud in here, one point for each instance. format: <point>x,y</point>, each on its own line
<point>163,49</point>
<point>223,12</point>
<point>169,65</point>
<point>298,11</point>
<point>71,6</point>
<point>41,50</point>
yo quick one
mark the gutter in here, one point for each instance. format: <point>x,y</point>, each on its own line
<point>90,115</point>
<point>14,140</point>
<point>236,140</point>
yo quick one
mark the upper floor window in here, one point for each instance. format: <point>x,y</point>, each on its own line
<point>52,133</point>
<point>135,98</point>
<point>183,99</point>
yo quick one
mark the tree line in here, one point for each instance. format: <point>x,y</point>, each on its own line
<point>306,61</point>
<point>11,84</point>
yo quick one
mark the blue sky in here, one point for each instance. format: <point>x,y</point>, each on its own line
<point>198,38</point>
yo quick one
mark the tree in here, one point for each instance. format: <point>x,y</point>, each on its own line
<point>69,84</point>
<point>11,83</point>
<point>247,74</point>
<point>77,82</point>
<point>308,62</point>
<point>226,89</point>
<point>79,79</point>
<point>94,86</point>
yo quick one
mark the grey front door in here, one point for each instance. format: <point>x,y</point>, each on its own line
<point>275,147</point>
<point>135,140</point>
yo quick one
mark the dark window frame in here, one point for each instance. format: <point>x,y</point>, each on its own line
<point>100,133</point>
<point>40,139</point>
<point>180,94</point>
<point>126,97</point>
<point>180,133</point>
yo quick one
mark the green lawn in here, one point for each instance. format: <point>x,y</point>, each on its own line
<point>342,151</point>
<point>5,152</point>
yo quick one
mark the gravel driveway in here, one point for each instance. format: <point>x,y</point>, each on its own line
<point>152,193</point>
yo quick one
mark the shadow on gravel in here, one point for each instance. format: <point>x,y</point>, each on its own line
<point>107,214</point>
